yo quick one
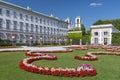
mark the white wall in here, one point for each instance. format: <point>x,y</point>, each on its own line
<point>101,35</point>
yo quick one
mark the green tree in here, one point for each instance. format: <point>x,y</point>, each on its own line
<point>98,22</point>
<point>76,29</point>
<point>76,36</point>
<point>86,38</point>
<point>115,22</point>
<point>83,29</point>
<point>116,38</point>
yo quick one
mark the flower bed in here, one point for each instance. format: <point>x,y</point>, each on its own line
<point>91,55</point>
<point>113,50</point>
<point>82,48</point>
<point>30,53</point>
<point>80,71</point>
<point>93,47</point>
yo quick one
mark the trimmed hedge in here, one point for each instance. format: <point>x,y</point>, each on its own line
<point>5,42</point>
<point>116,38</point>
<point>76,36</point>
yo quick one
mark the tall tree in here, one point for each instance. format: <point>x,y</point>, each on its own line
<point>115,22</point>
<point>83,29</point>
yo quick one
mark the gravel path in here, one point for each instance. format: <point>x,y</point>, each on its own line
<point>52,48</point>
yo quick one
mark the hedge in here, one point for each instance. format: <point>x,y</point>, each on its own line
<point>5,42</point>
<point>75,36</point>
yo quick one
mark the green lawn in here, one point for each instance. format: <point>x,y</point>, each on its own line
<point>108,66</point>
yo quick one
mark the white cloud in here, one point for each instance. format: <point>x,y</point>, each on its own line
<point>95,4</point>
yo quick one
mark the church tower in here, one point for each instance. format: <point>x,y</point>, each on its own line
<point>69,22</point>
<point>78,22</point>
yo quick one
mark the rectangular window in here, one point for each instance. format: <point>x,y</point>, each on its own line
<point>47,22</point>
<point>8,13</point>
<point>51,30</point>
<point>51,23</point>
<point>36,20</point>
<point>7,24</point>
<point>44,30</point>
<point>54,30</point>
<point>95,33</point>
<point>32,27</point>
<point>31,18</point>
<point>44,21</point>
<point>26,17</point>
<point>105,33</point>
<point>48,30</point>
<point>21,26</point>
<point>0,11</point>
<point>36,28</point>
<point>21,16</point>
<point>27,27</point>
<point>95,40</point>
<point>105,39</point>
<point>0,23</point>
<point>40,21</point>
<point>14,25</point>
<point>14,14</point>
<point>40,29</point>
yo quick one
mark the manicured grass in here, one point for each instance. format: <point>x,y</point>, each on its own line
<point>108,66</point>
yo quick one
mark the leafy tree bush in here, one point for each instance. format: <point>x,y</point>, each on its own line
<point>86,39</point>
<point>76,36</point>
<point>84,35</point>
<point>116,38</point>
<point>76,29</point>
<point>83,29</point>
<point>115,22</point>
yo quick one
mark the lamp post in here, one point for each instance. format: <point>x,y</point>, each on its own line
<point>80,42</point>
<point>70,41</point>
<point>59,41</point>
<point>86,42</point>
<point>41,40</point>
<point>31,37</point>
<point>65,41</point>
<point>13,37</point>
<point>51,38</point>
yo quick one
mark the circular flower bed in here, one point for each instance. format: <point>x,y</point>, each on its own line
<point>80,71</point>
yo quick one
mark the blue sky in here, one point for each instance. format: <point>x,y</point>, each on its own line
<point>89,10</point>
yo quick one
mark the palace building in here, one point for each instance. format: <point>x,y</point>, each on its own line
<point>102,34</point>
<point>23,25</point>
